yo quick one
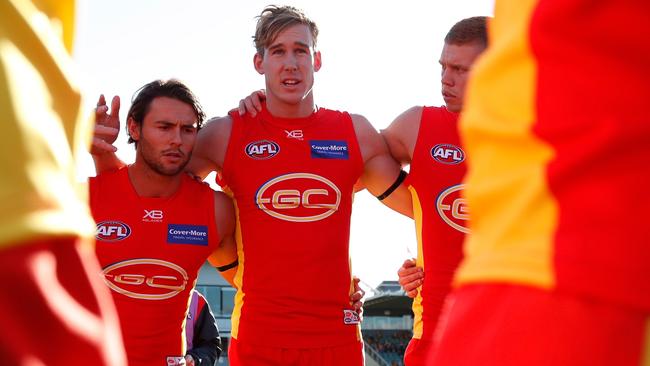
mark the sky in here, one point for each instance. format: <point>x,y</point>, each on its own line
<point>379,59</point>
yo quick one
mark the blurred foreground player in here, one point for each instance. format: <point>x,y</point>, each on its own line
<point>556,124</point>
<point>54,310</point>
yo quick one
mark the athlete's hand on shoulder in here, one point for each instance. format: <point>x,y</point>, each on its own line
<point>189,360</point>
<point>410,277</point>
<point>356,299</point>
<point>107,126</point>
<point>252,103</point>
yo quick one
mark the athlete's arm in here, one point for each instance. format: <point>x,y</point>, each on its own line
<point>226,254</point>
<point>252,103</point>
<point>107,128</point>
<point>380,169</point>
<point>410,277</point>
<point>210,147</point>
<point>401,135</point>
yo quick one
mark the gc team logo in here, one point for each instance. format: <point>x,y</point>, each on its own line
<point>112,231</point>
<point>262,150</point>
<point>299,197</point>
<point>453,209</point>
<point>448,154</point>
<point>146,278</point>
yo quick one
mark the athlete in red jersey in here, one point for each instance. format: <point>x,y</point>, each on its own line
<point>156,226</point>
<point>427,139</point>
<point>295,205</point>
<point>557,263</point>
<point>294,210</point>
<point>54,309</point>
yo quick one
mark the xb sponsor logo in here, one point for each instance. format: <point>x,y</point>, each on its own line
<point>146,278</point>
<point>152,216</point>
<point>294,134</point>
<point>112,231</point>
<point>448,154</point>
<point>453,208</point>
<point>263,149</point>
<point>299,197</point>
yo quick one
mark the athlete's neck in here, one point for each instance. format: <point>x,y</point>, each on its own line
<point>149,183</point>
<point>278,108</point>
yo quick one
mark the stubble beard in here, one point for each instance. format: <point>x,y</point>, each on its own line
<point>156,164</point>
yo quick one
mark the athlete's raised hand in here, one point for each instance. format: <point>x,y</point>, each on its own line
<point>107,126</point>
<point>410,277</point>
<point>252,103</point>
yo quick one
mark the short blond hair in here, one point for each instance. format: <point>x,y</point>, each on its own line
<point>274,19</point>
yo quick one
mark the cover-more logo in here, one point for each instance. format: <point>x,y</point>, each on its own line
<point>453,208</point>
<point>299,197</point>
<point>262,149</point>
<point>448,154</point>
<point>112,231</point>
<point>146,278</point>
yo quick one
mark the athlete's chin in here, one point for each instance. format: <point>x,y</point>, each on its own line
<point>171,170</point>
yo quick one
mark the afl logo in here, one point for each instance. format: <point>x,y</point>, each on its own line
<point>146,278</point>
<point>112,231</point>
<point>453,209</point>
<point>447,154</point>
<point>263,149</point>
<point>299,197</point>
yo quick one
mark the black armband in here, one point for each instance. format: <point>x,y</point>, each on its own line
<point>228,266</point>
<point>400,178</point>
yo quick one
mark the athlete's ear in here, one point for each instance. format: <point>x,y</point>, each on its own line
<point>133,128</point>
<point>317,61</point>
<point>257,62</point>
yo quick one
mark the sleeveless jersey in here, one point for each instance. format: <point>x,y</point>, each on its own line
<point>292,182</point>
<point>560,151</point>
<point>435,181</point>
<point>44,127</point>
<point>151,250</point>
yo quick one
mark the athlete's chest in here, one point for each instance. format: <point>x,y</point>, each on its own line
<point>146,228</point>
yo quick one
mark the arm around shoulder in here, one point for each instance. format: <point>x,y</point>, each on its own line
<point>380,171</point>
<point>224,258</point>
<point>210,147</point>
<point>401,135</point>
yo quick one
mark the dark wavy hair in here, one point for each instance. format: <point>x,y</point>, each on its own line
<point>171,88</point>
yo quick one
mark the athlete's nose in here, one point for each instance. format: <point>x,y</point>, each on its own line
<point>176,138</point>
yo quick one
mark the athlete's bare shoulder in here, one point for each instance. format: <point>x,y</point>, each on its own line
<point>370,142</point>
<point>210,147</point>
<point>402,134</point>
<point>224,213</point>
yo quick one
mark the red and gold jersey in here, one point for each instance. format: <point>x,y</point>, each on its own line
<point>44,127</point>
<point>151,250</point>
<point>292,181</point>
<point>441,215</point>
<point>558,133</point>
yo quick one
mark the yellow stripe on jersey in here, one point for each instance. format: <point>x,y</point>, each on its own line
<point>645,350</point>
<point>511,203</point>
<point>239,276</point>
<point>44,131</point>
<point>418,326</point>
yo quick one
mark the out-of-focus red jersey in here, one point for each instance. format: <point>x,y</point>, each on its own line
<point>151,250</point>
<point>441,215</point>
<point>558,179</point>
<point>292,181</point>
